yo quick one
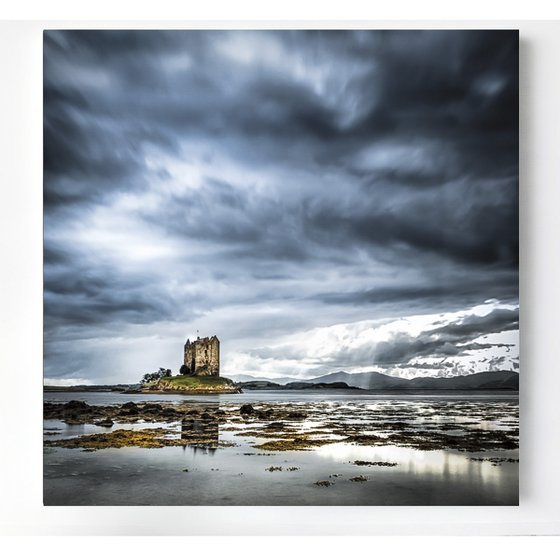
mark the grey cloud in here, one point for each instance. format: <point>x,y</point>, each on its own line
<point>425,365</point>
<point>96,294</point>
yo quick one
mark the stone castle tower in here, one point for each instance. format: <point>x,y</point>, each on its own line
<point>202,356</point>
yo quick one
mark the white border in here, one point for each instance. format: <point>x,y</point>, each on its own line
<point>287,10</point>
<point>21,509</point>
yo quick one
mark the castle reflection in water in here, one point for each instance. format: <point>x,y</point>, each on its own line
<point>202,433</point>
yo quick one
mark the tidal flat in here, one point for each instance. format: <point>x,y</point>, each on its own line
<point>293,450</point>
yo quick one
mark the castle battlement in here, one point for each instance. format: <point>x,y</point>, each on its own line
<point>202,356</point>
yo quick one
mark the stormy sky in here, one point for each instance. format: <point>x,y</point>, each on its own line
<point>319,200</point>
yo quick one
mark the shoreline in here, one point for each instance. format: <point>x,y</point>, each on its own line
<point>233,391</point>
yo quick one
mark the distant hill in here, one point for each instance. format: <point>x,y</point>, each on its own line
<point>91,388</point>
<point>375,381</point>
<point>294,386</point>
<point>369,380</point>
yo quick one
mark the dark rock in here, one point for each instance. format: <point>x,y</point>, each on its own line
<point>77,405</point>
<point>153,407</point>
<point>359,478</point>
<point>127,412</point>
<point>106,423</point>
<point>375,464</point>
<point>73,419</point>
<point>129,409</point>
<point>130,406</point>
<point>247,410</point>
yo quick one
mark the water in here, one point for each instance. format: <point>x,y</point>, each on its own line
<point>214,475</point>
<point>109,398</point>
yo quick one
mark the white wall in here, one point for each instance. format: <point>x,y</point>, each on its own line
<point>21,510</point>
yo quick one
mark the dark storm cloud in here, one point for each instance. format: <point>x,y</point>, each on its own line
<point>96,294</point>
<point>327,165</point>
<point>93,299</point>
<point>466,94</point>
<point>243,226</point>
<point>473,326</point>
<point>415,95</point>
<point>472,231</point>
<point>464,292</point>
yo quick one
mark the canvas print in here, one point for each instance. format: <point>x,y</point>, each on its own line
<point>281,267</point>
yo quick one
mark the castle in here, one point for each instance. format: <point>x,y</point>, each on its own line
<point>202,357</point>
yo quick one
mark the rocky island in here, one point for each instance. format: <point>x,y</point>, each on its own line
<point>191,385</point>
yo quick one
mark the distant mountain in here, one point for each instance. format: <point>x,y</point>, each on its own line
<point>370,380</point>
<point>375,381</point>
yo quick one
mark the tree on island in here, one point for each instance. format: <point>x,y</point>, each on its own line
<point>156,375</point>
